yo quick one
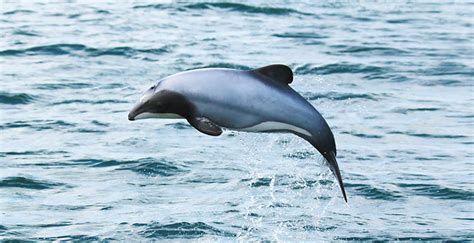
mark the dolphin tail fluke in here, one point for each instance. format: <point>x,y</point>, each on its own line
<point>331,159</point>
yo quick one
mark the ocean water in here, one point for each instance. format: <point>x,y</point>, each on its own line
<point>394,80</point>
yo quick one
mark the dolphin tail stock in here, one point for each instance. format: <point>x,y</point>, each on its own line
<point>332,162</point>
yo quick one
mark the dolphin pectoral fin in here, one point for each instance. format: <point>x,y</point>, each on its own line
<point>205,125</point>
<point>331,159</point>
<point>276,72</point>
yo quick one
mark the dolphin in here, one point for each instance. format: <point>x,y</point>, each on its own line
<point>258,100</point>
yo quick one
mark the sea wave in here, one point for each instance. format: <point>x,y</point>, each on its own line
<point>144,166</point>
<point>286,180</point>
<point>82,50</point>
<point>362,135</point>
<point>436,191</point>
<point>92,102</point>
<point>32,153</point>
<point>25,33</point>
<point>153,167</point>
<point>18,11</point>
<point>339,96</point>
<point>418,109</point>
<point>181,230</point>
<point>373,50</point>
<point>428,135</point>
<point>221,65</point>
<point>371,192</point>
<point>229,6</point>
<point>300,155</point>
<point>338,68</point>
<point>72,238</point>
<point>65,85</point>
<point>300,35</point>
<point>447,69</point>
<point>16,98</point>
<point>179,125</point>
<point>28,183</point>
<point>38,125</point>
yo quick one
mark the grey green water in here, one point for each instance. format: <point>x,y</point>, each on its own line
<point>393,79</point>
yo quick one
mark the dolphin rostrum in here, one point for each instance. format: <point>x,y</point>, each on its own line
<point>258,100</point>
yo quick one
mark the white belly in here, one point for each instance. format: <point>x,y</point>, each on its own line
<point>148,115</point>
<point>275,126</point>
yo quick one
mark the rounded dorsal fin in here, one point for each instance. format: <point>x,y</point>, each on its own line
<point>277,72</point>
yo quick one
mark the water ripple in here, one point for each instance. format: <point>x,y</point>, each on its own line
<point>31,152</point>
<point>38,125</point>
<point>82,50</point>
<point>152,167</point>
<point>371,192</point>
<point>25,33</point>
<point>437,191</point>
<point>450,68</point>
<point>429,135</point>
<point>389,238</point>
<point>400,21</point>
<point>300,35</point>
<point>181,230</point>
<point>362,135</point>
<point>18,11</point>
<point>55,86</point>
<point>72,238</point>
<point>264,181</point>
<point>16,98</point>
<point>28,183</point>
<point>221,65</point>
<point>285,180</point>
<point>411,110</point>
<point>338,96</point>
<point>374,50</point>
<point>179,125</point>
<point>300,155</point>
<point>144,166</point>
<point>338,68</point>
<point>93,102</point>
<point>229,6</point>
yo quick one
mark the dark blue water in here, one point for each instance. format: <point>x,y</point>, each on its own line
<point>394,81</point>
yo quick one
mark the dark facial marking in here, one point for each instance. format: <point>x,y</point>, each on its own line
<point>166,101</point>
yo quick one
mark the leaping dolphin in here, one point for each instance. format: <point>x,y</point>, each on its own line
<point>258,100</point>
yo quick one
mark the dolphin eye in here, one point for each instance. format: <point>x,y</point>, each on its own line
<point>152,87</point>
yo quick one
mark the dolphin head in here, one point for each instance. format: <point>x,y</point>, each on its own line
<point>146,106</point>
<point>159,103</point>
